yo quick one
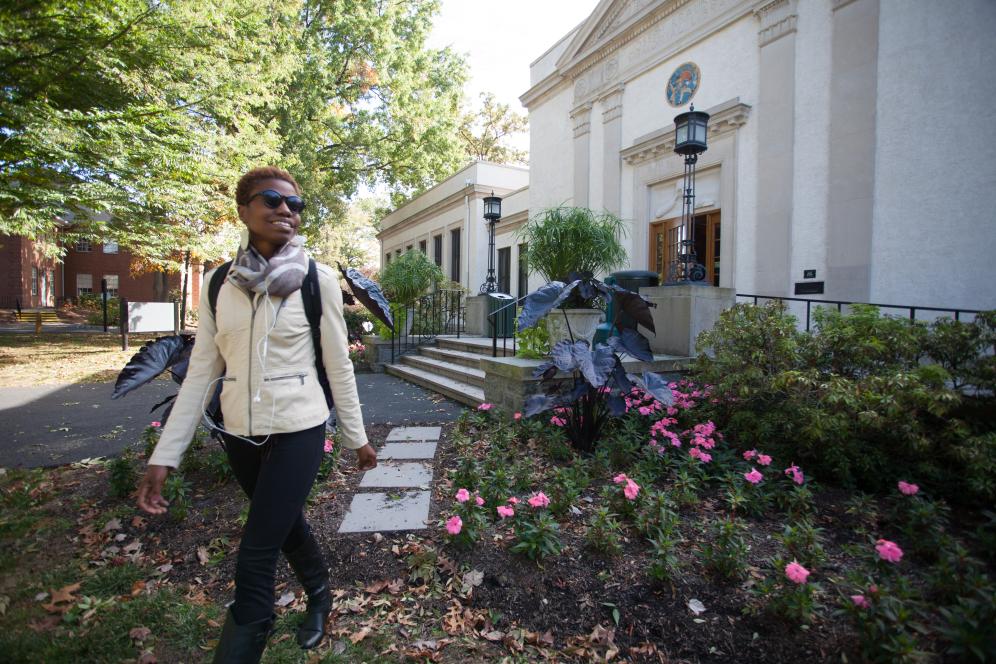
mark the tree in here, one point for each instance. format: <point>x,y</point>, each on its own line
<point>351,240</point>
<point>484,133</point>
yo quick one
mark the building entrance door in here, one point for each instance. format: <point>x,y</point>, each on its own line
<point>665,245</point>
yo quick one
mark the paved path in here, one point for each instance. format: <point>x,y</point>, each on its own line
<point>57,424</point>
<point>404,469</point>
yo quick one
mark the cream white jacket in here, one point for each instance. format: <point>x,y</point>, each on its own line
<point>270,383</point>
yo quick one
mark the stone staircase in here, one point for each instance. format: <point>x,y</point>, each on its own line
<point>29,316</point>
<point>450,367</point>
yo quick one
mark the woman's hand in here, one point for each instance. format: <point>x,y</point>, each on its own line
<point>150,487</point>
<point>366,458</point>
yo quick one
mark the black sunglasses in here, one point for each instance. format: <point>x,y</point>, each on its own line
<point>272,199</point>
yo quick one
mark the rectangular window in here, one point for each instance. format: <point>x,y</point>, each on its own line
<point>83,245</point>
<point>34,282</point>
<point>84,283</point>
<point>523,270</point>
<point>422,247</point>
<point>397,253</point>
<point>505,270</point>
<point>110,247</point>
<point>455,255</point>
<point>408,248</point>
<point>437,250</point>
<point>387,258</point>
<point>112,285</point>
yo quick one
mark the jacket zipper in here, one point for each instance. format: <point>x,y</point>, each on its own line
<point>299,376</point>
<point>252,327</point>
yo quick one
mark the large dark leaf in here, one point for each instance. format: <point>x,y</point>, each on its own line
<point>656,387</point>
<point>537,403</point>
<point>620,380</point>
<point>162,403</point>
<point>580,389</point>
<point>632,343</point>
<point>566,356</point>
<point>617,405</point>
<point>633,304</point>
<point>368,292</point>
<point>545,371</point>
<point>543,300</point>
<point>151,360</point>
<point>596,365</point>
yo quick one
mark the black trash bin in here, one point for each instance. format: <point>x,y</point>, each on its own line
<point>632,280</point>
<point>505,320</point>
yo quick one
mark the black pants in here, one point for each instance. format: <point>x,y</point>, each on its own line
<point>277,476</point>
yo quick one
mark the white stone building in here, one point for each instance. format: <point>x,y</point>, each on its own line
<point>852,142</point>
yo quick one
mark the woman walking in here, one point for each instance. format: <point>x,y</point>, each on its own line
<point>259,345</point>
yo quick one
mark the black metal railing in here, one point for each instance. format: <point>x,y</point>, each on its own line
<point>12,302</point>
<point>910,310</point>
<point>438,313</point>
<point>497,320</point>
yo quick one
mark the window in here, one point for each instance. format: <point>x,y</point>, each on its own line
<point>505,270</point>
<point>34,282</point>
<point>408,248</point>
<point>112,285</point>
<point>110,247</point>
<point>455,255</point>
<point>83,245</point>
<point>422,247</point>
<point>437,250</point>
<point>523,270</point>
<point>84,283</point>
<point>387,258</point>
<point>397,254</point>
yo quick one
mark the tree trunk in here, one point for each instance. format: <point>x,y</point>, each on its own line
<point>183,293</point>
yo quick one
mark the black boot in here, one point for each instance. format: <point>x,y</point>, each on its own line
<point>242,644</point>
<point>309,566</point>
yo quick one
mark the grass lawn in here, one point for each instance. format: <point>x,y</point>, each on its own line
<point>60,358</point>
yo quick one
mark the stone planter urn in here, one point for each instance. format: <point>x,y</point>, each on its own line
<point>583,322</point>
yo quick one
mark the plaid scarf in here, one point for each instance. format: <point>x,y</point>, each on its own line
<point>280,276</point>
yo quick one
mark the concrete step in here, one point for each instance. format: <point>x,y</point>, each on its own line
<point>477,345</point>
<point>447,369</point>
<point>465,393</point>
<point>30,316</point>
<point>461,357</point>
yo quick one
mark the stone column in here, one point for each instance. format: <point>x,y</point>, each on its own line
<point>582,155</point>
<point>611,145</point>
<point>682,313</point>
<point>775,152</point>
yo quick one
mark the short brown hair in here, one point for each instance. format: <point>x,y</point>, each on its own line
<point>248,181</point>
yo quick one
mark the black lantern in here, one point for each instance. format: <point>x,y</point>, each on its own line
<point>690,131</point>
<point>492,213</point>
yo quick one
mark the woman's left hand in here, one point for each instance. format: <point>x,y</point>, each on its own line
<point>366,458</point>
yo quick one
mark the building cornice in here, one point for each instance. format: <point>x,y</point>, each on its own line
<point>778,18</point>
<point>474,192</point>
<point>512,222</point>
<point>723,119</point>
<point>581,116</point>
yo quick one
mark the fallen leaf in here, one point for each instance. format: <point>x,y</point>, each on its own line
<point>285,599</point>
<point>65,594</point>
<point>696,606</point>
<point>139,633</point>
<point>493,635</point>
<point>202,555</point>
<point>137,522</point>
<point>356,637</point>
<point>148,658</point>
<point>113,524</point>
<point>339,647</point>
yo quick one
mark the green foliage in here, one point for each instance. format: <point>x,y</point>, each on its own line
<point>533,342</point>
<point>537,535</point>
<point>725,554</point>
<point>216,463</point>
<point>564,240</point>
<point>854,401</point>
<point>150,437</point>
<point>664,563</point>
<point>803,541</point>
<point>604,532</point>
<point>969,627</point>
<point>121,475</point>
<point>409,276</point>
<point>656,516</point>
<point>794,602</point>
<point>93,307</point>
<point>483,133</point>
<point>888,627</point>
<point>176,490</point>
<point>566,486</point>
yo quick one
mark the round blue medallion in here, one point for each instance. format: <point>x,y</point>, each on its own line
<point>683,84</point>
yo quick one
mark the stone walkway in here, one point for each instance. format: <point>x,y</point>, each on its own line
<point>405,469</point>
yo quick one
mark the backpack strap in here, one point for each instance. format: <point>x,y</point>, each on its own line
<point>311,294</point>
<point>214,287</point>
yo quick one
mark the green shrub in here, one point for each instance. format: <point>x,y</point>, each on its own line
<point>121,475</point>
<point>533,343</point>
<point>92,305</point>
<point>725,555</point>
<point>564,240</point>
<point>604,532</point>
<point>408,276</point>
<point>176,490</point>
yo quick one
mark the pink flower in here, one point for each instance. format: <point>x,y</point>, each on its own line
<point>763,460</point>
<point>796,573</point>
<point>796,474</point>
<point>620,479</point>
<point>155,424</point>
<point>750,454</point>
<point>485,406</point>
<point>462,496</point>
<point>454,525</point>
<point>517,417</point>
<point>478,500</point>
<point>505,512</point>
<point>645,410</point>
<point>889,551</point>
<point>539,500</point>
<point>697,453</point>
<point>329,445</point>
<point>558,421</point>
<point>513,501</point>
<point>859,601</point>
<point>908,489</point>
<point>754,477</point>
<point>631,489</point>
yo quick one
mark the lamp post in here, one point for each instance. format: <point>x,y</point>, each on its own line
<point>690,141</point>
<point>492,213</point>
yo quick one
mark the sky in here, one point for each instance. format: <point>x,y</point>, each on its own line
<point>520,30</point>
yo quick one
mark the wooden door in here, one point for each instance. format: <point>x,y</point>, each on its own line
<point>666,246</point>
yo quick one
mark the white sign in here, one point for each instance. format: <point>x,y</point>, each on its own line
<point>151,317</point>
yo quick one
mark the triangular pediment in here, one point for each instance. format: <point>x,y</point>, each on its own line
<point>609,19</point>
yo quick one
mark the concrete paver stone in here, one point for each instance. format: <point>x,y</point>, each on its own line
<point>414,433</point>
<point>380,512</point>
<point>398,475</point>
<point>407,451</point>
